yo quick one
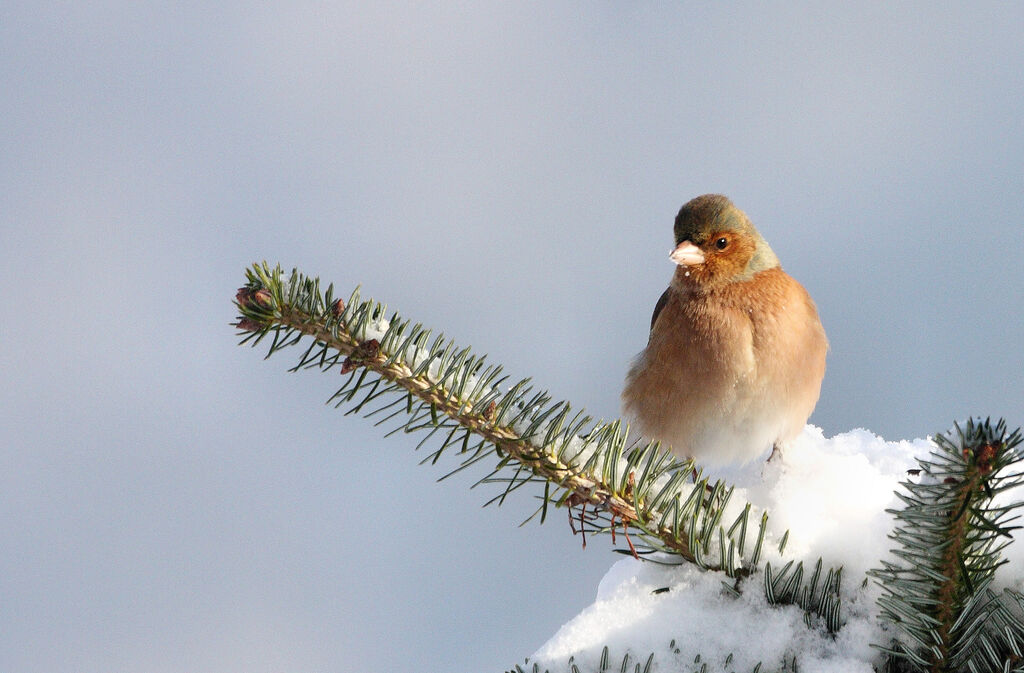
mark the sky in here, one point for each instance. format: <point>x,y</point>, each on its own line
<point>505,172</point>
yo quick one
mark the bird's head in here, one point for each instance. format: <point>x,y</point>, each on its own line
<point>716,244</point>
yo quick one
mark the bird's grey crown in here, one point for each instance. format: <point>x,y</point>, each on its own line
<point>705,215</point>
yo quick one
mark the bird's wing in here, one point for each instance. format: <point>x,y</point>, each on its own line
<point>662,300</point>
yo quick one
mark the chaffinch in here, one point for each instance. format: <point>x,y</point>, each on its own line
<point>736,352</point>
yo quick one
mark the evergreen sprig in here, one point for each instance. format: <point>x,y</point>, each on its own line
<point>403,375</point>
<point>816,596</point>
<point>936,594</point>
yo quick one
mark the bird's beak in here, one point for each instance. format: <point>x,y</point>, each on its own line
<point>687,254</point>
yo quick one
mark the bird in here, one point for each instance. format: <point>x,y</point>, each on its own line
<point>736,351</point>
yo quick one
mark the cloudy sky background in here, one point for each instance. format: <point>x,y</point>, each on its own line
<point>507,173</point>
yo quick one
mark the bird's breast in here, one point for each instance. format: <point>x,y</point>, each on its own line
<point>705,338</point>
<point>740,366</point>
<point>699,362</point>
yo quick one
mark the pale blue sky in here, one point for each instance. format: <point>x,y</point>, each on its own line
<point>507,173</point>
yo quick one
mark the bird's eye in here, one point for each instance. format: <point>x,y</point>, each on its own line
<point>722,243</point>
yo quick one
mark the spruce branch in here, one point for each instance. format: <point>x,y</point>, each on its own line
<point>399,373</point>
<point>936,594</point>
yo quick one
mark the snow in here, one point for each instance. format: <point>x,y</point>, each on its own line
<point>831,494</point>
<point>694,616</point>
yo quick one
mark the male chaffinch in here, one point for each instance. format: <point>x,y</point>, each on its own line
<point>736,351</point>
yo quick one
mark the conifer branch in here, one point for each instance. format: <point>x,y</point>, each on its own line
<point>936,595</point>
<point>400,374</point>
